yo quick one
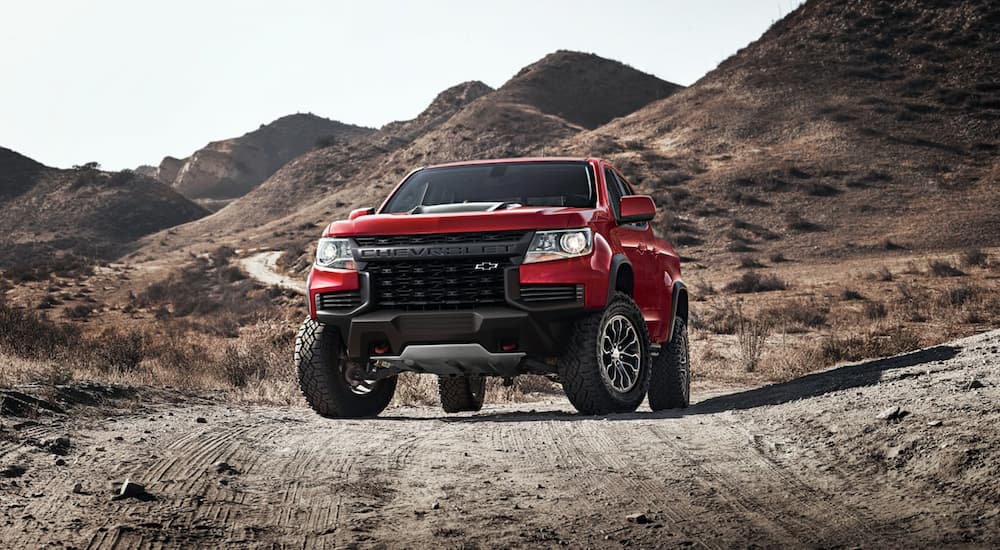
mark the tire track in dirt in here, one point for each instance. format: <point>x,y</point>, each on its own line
<point>801,515</point>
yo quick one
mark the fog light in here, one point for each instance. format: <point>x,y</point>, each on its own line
<point>508,346</point>
<point>381,349</point>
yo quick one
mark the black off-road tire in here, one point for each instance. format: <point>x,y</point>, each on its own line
<point>670,384</point>
<point>461,393</point>
<point>580,364</point>
<point>320,358</point>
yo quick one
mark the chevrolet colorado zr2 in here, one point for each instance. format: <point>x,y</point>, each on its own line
<point>498,268</point>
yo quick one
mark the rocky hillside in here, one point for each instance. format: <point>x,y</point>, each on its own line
<point>230,168</point>
<point>543,105</point>
<point>83,211</point>
<point>850,127</point>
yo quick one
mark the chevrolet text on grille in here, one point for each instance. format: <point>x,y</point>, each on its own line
<point>436,251</point>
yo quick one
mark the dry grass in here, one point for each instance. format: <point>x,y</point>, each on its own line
<point>975,257</point>
<point>753,281</point>
<point>943,268</point>
<point>798,315</point>
<point>751,336</point>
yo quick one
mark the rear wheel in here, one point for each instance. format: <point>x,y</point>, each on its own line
<point>606,366</point>
<point>334,386</point>
<point>670,386</point>
<point>461,393</point>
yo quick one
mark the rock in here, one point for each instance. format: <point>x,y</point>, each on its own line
<point>58,446</point>
<point>60,462</point>
<point>14,470</point>
<point>935,423</point>
<point>201,420</point>
<point>436,506</point>
<point>78,488</point>
<point>225,468</point>
<point>974,385</point>
<point>892,413</point>
<point>638,518</point>
<point>131,489</point>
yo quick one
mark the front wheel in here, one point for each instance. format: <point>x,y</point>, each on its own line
<point>334,386</point>
<point>606,365</point>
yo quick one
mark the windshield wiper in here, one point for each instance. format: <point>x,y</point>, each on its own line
<point>504,206</point>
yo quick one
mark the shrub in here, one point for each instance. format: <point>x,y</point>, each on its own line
<point>752,281</point>
<point>796,222</point>
<point>888,244</point>
<point>868,346</point>
<point>883,274</point>
<point>975,257</point>
<point>118,351</point>
<point>874,310</point>
<point>778,258</point>
<point>241,366</point>
<point>78,312</point>
<point>748,262</point>
<point>27,334</point>
<point>751,333</point>
<point>720,319</point>
<point>798,315</point>
<point>958,295</point>
<point>851,295</point>
<point>943,268</point>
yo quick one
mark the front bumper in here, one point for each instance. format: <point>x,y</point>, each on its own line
<point>510,338</point>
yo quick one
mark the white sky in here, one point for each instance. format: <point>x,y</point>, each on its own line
<point>125,82</point>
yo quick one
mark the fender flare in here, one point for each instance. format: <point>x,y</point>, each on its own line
<point>679,296</point>
<point>617,261</point>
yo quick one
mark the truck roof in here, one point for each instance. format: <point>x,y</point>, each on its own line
<point>513,160</point>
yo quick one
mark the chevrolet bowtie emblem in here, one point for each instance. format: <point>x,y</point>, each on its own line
<point>486,266</point>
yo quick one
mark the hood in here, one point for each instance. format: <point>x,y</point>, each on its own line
<point>526,217</point>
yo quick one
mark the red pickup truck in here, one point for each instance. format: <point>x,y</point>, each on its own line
<point>498,268</point>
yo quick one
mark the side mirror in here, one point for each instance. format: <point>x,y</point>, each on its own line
<point>636,209</point>
<point>361,212</point>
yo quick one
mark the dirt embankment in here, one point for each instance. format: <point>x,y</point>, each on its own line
<point>896,452</point>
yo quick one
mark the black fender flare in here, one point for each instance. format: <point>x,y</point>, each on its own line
<point>678,305</point>
<point>617,261</point>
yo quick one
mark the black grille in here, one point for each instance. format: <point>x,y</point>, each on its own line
<point>441,238</point>
<point>437,284</point>
<point>342,300</point>
<point>549,294</point>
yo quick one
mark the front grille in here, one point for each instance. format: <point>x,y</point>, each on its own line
<point>342,300</point>
<point>437,284</point>
<point>551,294</point>
<point>440,238</point>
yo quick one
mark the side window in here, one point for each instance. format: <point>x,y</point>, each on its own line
<point>614,190</point>
<point>626,186</point>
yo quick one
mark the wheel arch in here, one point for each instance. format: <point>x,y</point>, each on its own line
<point>678,306</point>
<point>621,277</point>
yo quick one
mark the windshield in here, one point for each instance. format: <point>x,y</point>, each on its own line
<point>506,185</point>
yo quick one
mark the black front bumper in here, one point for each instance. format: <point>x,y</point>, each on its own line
<point>497,329</point>
<point>526,319</point>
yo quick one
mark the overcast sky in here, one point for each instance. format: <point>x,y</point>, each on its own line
<point>125,83</point>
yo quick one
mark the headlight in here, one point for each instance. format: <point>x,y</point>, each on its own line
<point>558,245</point>
<point>335,253</point>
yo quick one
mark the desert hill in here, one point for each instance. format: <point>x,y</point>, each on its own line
<point>83,211</point>
<point>545,104</point>
<point>848,127</point>
<point>230,168</point>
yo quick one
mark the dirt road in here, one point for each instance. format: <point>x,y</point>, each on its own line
<point>263,267</point>
<point>823,461</point>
